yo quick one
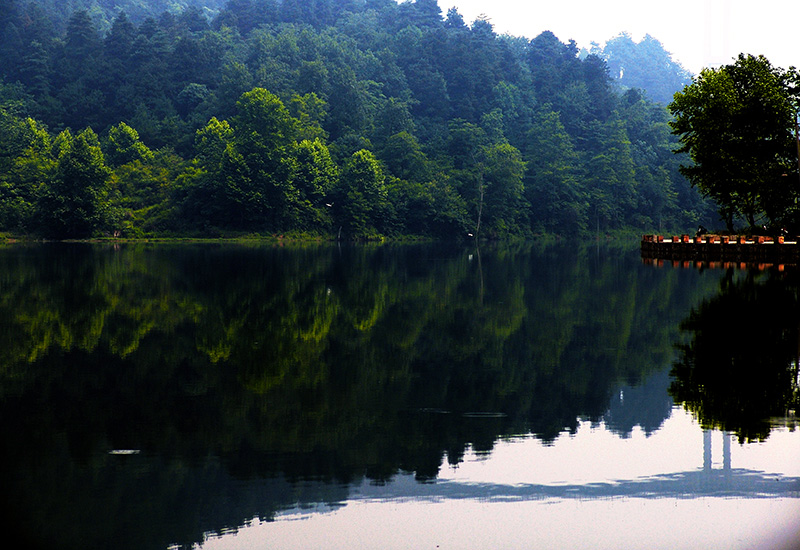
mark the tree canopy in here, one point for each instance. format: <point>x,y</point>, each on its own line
<point>737,123</point>
<point>258,116</point>
<point>645,65</point>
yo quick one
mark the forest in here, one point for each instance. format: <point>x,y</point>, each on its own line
<point>356,119</point>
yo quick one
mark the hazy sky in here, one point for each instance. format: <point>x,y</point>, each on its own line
<point>698,33</point>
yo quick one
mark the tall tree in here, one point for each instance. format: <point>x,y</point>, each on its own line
<point>314,180</point>
<point>250,166</point>
<point>504,202</point>
<point>361,197</point>
<point>74,202</point>
<point>736,124</point>
<point>610,173</point>
<point>552,187</point>
<point>25,164</point>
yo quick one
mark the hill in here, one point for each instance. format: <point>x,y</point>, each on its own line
<point>361,117</point>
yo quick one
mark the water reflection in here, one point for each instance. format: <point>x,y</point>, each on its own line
<point>152,394</point>
<point>739,369</point>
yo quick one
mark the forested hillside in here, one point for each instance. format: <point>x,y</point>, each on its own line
<point>355,118</point>
<point>645,65</point>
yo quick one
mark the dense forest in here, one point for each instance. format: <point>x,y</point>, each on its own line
<point>356,118</point>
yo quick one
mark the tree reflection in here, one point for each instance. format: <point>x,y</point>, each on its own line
<point>740,367</point>
<point>290,368</point>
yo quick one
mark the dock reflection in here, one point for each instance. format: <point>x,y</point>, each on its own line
<point>710,264</point>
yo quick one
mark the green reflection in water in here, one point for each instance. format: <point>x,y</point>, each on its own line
<point>251,379</point>
<point>739,369</point>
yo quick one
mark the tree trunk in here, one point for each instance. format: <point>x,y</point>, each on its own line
<point>481,191</point>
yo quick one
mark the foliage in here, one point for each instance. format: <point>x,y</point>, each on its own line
<point>558,199</point>
<point>736,123</point>
<point>27,163</point>
<point>124,146</point>
<point>738,384</point>
<point>248,97</point>
<point>73,202</point>
<point>361,197</point>
<point>644,65</point>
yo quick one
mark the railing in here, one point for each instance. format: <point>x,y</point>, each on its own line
<point>713,247</point>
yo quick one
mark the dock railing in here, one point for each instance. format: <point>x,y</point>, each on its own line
<point>755,248</point>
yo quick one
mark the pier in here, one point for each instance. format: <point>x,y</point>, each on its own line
<point>722,248</point>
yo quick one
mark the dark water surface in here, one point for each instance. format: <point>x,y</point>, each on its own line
<point>431,396</point>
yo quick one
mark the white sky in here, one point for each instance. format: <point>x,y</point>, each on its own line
<point>698,33</point>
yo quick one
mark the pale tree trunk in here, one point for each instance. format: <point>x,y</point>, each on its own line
<point>481,191</point>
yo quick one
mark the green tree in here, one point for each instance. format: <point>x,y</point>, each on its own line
<point>190,97</point>
<point>118,43</point>
<point>430,97</point>
<point>610,172</point>
<point>431,208</point>
<point>552,188</point>
<point>736,124</point>
<point>74,203</point>
<point>404,157</point>
<point>144,193</point>
<point>25,164</point>
<point>310,111</point>
<point>249,166</point>
<point>263,123</point>
<point>259,170</point>
<point>124,146</point>
<point>211,141</point>
<point>77,70</point>
<point>361,197</point>
<point>35,70</point>
<point>314,180</point>
<point>394,117</point>
<point>504,202</point>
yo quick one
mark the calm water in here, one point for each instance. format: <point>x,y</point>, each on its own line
<point>227,397</point>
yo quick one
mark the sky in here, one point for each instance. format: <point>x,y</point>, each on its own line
<point>698,33</point>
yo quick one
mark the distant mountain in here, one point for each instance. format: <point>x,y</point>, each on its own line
<point>645,65</point>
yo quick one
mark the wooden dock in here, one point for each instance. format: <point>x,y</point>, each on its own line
<point>722,248</point>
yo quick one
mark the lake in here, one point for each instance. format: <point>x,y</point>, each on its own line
<point>229,396</point>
